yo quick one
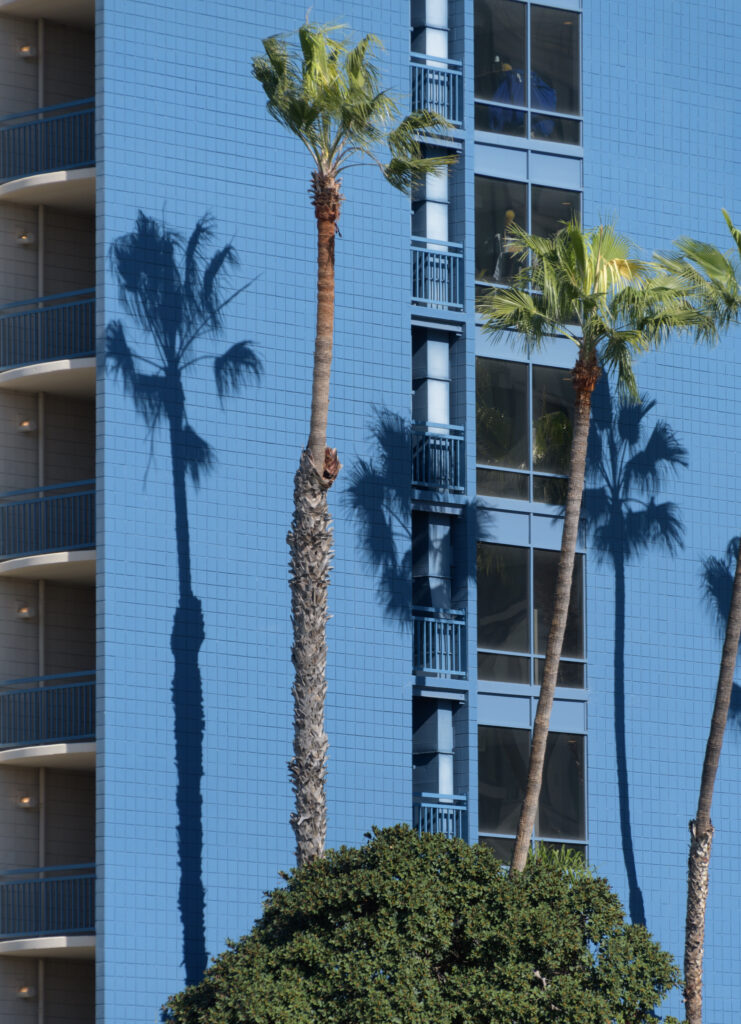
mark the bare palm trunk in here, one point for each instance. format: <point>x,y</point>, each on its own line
<point>701,829</point>
<point>584,376</point>
<point>310,544</point>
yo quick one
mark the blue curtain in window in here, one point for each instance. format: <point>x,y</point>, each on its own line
<point>511,89</point>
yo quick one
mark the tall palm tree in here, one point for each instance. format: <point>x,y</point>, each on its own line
<point>715,277</point>
<point>585,287</point>
<point>327,93</point>
<point>626,465</point>
<point>171,288</point>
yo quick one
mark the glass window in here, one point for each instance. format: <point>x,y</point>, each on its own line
<point>503,597</point>
<point>503,765</point>
<point>517,435</point>
<point>498,204</point>
<point>527,70</point>
<point>552,208</point>
<point>545,567</point>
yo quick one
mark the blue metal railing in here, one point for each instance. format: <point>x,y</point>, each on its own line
<point>437,273</point>
<point>47,519</point>
<point>47,709</point>
<point>58,138</point>
<point>56,328</point>
<point>441,814</point>
<point>439,642</point>
<point>438,457</point>
<point>47,902</point>
<point>437,85</point>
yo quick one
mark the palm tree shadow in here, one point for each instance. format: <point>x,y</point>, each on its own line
<point>378,495</point>
<point>717,585</point>
<point>626,465</point>
<point>171,290</point>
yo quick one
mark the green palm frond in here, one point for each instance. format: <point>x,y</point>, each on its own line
<point>327,92</point>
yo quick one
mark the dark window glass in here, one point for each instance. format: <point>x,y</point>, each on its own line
<point>553,413</point>
<point>561,806</point>
<point>503,761</point>
<point>545,567</point>
<point>500,50</point>
<point>504,668</point>
<point>576,847</point>
<point>550,490</point>
<point>554,51</point>
<point>503,598</point>
<point>501,413</point>
<point>501,848</point>
<point>552,208</point>
<point>495,483</point>
<point>555,129</point>
<point>490,118</point>
<point>498,204</point>
<point>570,674</point>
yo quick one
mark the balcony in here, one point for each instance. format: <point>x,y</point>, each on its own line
<point>48,912</point>
<point>48,344</point>
<point>437,274</point>
<point>48,156</point>
<point>440,814</point>
<point>49,532</point>
<point>48,721</point>
<point>436,84</point>
<point>438,458</point>
<point>439,642</point>
<point>79,13</point>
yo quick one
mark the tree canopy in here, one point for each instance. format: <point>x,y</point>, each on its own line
<point>412,929</point>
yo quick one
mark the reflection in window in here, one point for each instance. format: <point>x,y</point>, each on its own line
<point>513,626</point>
<point>503,764</point>
<point>520,93</point>
<point>552,208</point>
<point>498,205</point>
<point>507,449</point>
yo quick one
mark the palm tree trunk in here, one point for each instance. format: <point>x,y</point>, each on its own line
<point>310,544</point>
<point>584,376</point>
<point>701,829</point>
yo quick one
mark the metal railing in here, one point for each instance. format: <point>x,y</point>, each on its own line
<point>49,901</point>
<point>55,327</point>
<point>437,269</point>
<point>438,457</point>
<point>439,642</point>
<point>56,518</point>
<point>47,709</point>
<point>440,814</point>
<point>437,85</point>
<point>58,138</point>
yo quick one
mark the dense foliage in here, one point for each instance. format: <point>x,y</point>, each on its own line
<point>415,929</point>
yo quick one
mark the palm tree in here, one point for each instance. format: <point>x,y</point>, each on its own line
<point>326,93</point>
<point>585,287</point>
<point>172,290</point>
<point>626,465</point>
<point>715,277</point>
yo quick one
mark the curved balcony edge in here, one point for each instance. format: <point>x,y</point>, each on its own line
<point>73,755</point>
<point>74,378</point>
<point>70,947</point>
<point>67,190</point>
<point>70,566</point>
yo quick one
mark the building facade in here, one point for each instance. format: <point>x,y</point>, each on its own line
<point>145,707</point>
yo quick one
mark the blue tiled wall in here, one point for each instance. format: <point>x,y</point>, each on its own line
<point>662,153</point>
<point>183,130</point>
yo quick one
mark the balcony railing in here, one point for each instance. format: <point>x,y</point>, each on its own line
<point>438,457</point>
<point>48,901</point>
<point>59,138</point>
<point>437,85</point>
<point>56,518</point>
<point>437,274</point>
<point>47,709</point>
<point>446,815</point>
<point>439,642</point>
<point>48,328</point>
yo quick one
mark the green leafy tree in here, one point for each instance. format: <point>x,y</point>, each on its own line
<point>585,287</point>
<point>715,278</point>
<point>420,929</point>
<point>326,92</point>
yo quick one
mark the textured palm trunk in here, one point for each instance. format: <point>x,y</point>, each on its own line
<point>584,376</point>
<point>701,829</point>
<point>310,544</point>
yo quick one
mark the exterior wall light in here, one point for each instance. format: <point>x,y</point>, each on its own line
<point>26,50</point>
<point>25,611</point>
<point>26,426</point>
<point>26,992</point>
<point>25,238</point>
<point>26,801</point>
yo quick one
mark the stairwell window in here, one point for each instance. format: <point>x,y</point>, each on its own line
<point>527,70</point>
